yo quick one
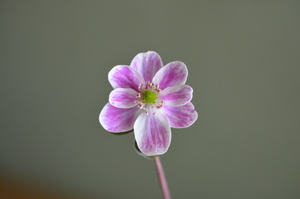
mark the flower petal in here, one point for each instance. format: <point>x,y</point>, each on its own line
<point>173,74</point>
<point>147,64</point>
<point>177,95</point>
<point>118,119</point>
<point>123,97</point>
<point>181,116</point>
<point>152,133</point>
<point>124,77</point>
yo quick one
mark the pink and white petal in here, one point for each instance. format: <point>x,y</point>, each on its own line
<point>124,77</point>
<point>123,97</point>
<point>181,116</point>
<point>177,95</point>
<point>118,120</point>
<point>147,64</point>
<point>172,74</point>
<point>152,133</point>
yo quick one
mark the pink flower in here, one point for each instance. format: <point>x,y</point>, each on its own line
<point>150,99</point>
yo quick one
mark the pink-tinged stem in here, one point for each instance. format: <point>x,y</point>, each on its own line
<point>162,179</point>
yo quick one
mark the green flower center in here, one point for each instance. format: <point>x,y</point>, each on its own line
<point>149,97</point>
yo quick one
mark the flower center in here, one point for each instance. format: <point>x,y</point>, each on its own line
<point>149,97</point>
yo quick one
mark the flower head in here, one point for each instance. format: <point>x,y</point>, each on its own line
<point>150,99</point>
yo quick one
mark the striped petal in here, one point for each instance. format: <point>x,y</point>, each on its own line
<point>152,133</point>
<point>173,74</point>
<point>177,95</point>
<point>147,64</point>
<point>124,77</point>
<point>118,119</point>
<point>123,97</point>
<point>181,116</point>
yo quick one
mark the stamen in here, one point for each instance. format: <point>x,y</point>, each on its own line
<point>148,96</point>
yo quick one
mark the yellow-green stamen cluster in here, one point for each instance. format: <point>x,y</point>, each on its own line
<point>148,97</point>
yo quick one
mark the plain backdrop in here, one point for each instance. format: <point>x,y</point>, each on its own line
<point>243,59</point>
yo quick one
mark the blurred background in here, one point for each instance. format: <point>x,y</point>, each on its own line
<point>243,59</point>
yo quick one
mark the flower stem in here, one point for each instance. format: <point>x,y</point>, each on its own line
<point>162,179</point>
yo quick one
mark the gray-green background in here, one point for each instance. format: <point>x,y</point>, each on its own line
<point>244,65</point>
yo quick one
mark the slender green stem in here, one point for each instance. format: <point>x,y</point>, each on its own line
<point>162,179</point>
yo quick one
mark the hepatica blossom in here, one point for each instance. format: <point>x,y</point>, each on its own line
<point>149,99</point>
